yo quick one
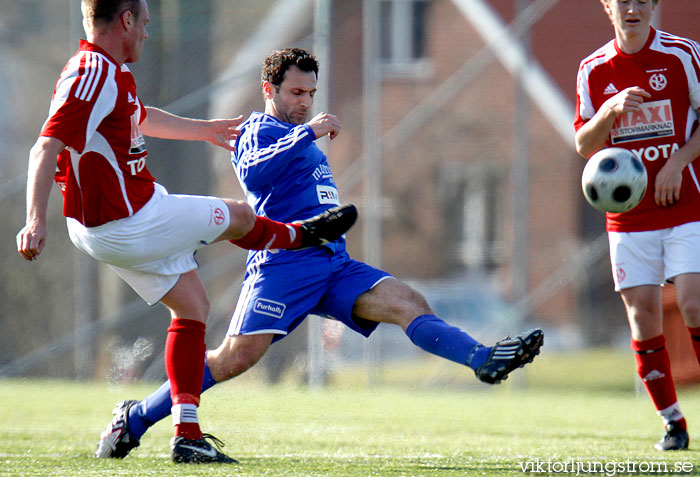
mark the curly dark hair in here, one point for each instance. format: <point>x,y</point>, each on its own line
<point>277,64</point>
<point>106,11</point>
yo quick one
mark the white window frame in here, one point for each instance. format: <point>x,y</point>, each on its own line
<point>479,231</point>
<point>402,63</point>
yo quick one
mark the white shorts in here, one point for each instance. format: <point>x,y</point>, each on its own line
<point>153,247</point>
<point>654,257</point>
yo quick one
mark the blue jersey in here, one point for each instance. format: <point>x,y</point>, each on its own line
<point>284,174</point>
<point>287,178</point>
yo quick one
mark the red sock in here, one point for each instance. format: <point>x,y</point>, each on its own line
<point>184,365</point>
<point>695,337</point>
<point>269,234</point>
<point>654,367</point>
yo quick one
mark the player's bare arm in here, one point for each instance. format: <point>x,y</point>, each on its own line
<point>219,132</point>
<point>667,187</point>
<point>591,137</point>
<point>42,165</point>
<point>324,123</point>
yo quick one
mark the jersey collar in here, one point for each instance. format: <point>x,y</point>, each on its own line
<point>652,35</point>
<point>84,45</point>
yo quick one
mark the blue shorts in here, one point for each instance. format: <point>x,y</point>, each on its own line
<point>281,289</point>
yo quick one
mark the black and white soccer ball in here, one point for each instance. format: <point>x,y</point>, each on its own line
<point>614,180</point>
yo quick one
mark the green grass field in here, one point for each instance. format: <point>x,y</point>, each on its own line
<point>576,410</point>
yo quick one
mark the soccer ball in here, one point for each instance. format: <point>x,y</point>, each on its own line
<point>614,180</point>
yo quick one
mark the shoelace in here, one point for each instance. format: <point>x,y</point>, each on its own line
<point>217,442</point>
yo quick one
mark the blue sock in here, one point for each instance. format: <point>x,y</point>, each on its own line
<point>157,406</point>
<point>437,337</point>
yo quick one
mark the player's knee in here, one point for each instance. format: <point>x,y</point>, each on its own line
<point>196,309</point>
<point>393,302</point>
<point>188,299</point>
<point>242,218</point>
<point>419,302</point>
<point>198,306</point>
<point>641,318</point>
<point>690,309</point>
<point>641,310</point>
<point>410,305</point>
<point>644,324</point>
<point>413,302</point>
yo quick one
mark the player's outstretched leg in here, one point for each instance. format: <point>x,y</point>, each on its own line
<point>319,230</point>
<point>328,226</point>
<point>199,451</point>
<point>676,438</point>
<point>115,441</point>
<point>510,354</point>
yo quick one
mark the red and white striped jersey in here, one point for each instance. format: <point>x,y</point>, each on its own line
<point>668,67</point>
<point>95,112</point>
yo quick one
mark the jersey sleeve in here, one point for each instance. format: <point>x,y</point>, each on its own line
<point>693,74</point>
<point>85,94</point>
<point>262,156</point>
<point>584,106</point>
